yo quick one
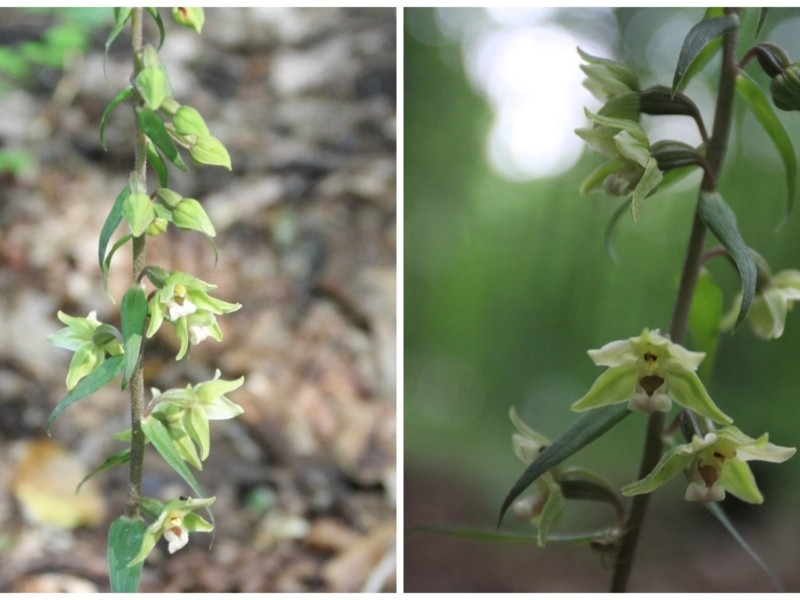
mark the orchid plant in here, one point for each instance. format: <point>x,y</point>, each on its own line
<point>176,421</point>
<point>654,371</point>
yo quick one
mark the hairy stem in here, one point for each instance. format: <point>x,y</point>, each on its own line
<point>137,380</point>
<point>691,270</point>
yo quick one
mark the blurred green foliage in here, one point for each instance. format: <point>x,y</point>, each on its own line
<point>507,285</point>
<point>68,34</point>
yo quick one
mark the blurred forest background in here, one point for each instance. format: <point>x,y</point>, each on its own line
<point>508,283</point>
<point>304,99</point>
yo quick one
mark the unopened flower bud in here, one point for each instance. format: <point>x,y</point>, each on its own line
<point>157,227</point>
<point>188,121</point>
<point>189,16</point>
<point>785,88</point>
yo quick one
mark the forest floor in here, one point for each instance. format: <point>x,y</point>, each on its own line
<point>304,480</point>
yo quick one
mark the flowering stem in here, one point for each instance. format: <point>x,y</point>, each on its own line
<point>137,380</point>
<point>653,446</point>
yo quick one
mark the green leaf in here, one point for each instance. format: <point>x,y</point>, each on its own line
<point>133,312</point>
<point>611,228</point>
<point>482,535</point>
<point>762,18</point>
<point>121,16</point>
<point>695,42</point>
<point>114,460</point>
<point>705,316</point>
<point>118,99</point>
<point>722,221</point>
<point>716,510</point>
<point>109,227</point>
<point>153,126</point>
<point>153,12</point>
<point>757,100</point>
<point>107,262</point>
<point>124,539</point>
<point>87,386</point>
<point>154,160</point>
<point>583,431</point>
<point>159,436</point>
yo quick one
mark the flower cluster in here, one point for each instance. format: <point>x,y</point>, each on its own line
<point>649,372</point>
<point>616,133</point>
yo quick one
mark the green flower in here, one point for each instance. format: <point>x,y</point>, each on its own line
<point>184,301</point>
<point>545,507</point>
<point>648,372</point>
<point>186,413</point>
<point>631,168</point>
<point>175,522</point>
<point>716,463</point>
<point>91,341</point>
<point>774,298</point>
<point>607,78</point>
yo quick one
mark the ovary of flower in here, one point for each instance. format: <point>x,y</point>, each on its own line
<point>174,532</point>
<point>180,306</point>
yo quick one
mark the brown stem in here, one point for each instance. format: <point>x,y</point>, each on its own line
<point>691,269</point>
<point>137,380</point>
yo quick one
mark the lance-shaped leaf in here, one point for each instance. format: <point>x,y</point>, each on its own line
<point>705,316</point>
<point>159,436</point>
<point>153,126</point>
<point>583,431</point>
<point>722,221</point>
<point>87,386</point>
<point>124,540</point>
<point>154,160</point>
<point>715,509</point>
<point>133,313</point>
<point>114,460</point>
<point>153,12</point>
<point>762,18</point>
<point>109,227</point>
<point>118,99</point>
<point>121,16</point>
<point>757,100</point>
<point>698,38</point>
<point>483,535</point>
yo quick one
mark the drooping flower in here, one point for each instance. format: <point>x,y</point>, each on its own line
<point>175,522</point>
<point>91,341</point>
<point>545,506</point>
<point>187,411</point>
<point>631,168</point>
<point>774,298</point>
<point>183,300</point>
<point>715,463</point>
<point>649,372</point>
